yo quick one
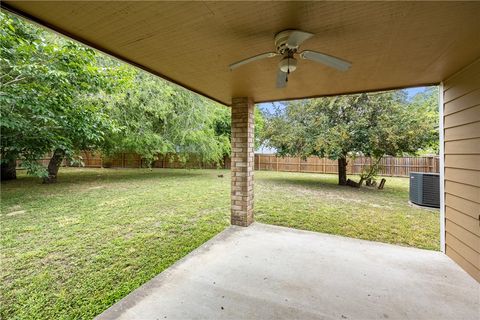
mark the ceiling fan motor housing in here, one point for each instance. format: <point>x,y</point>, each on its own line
<point>281,39</point>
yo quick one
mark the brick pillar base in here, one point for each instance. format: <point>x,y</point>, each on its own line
<point>242,161</point>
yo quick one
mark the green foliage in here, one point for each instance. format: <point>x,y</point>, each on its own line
<point>259,127</point>
<point>397,127</point>
<point>48,96</point>
<point>223,125</point>
<point>374,124</point>
<point>59,95</point>
<point>156,118</point>
<point>426,103</point>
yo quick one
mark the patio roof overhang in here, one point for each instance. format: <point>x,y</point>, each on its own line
<point>391,45</point>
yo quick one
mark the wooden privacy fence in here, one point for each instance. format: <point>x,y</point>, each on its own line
<point>389,166</point>
<point>133,160</point>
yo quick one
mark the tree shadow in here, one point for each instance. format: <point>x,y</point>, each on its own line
<point>315,183</point>
<point>87,175</point>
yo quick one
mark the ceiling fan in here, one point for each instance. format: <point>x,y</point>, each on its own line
<point>287,43</point>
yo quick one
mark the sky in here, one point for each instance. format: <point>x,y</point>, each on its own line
<point>413,91</point>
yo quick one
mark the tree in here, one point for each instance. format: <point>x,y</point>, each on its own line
<point>158,118</point>
<point>374,124</point>
<point>60,97</point>
<point>393,127</point>
<point>223,125</point>
<point>49,97</point>
<point>325,127</point>
<point>426,103</point>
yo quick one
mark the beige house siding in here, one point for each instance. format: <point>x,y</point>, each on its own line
<point>461,109</point>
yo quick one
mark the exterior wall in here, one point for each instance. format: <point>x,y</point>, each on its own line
<point>242,161</point>
<point>461,115</point>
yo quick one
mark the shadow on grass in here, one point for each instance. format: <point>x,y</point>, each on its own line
<point>318,183</point>
<point>86,175</point>
<point>313,182</point>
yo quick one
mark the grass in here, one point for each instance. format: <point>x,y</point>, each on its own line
<point>71,249</point>
<point>315,202</point>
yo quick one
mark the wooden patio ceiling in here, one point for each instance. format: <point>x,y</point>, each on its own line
<point>391,44</point>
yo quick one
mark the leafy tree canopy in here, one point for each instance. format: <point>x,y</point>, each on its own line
<point>49,94</point>
<point>59,96</point>
<point>159,118</point>
<point>374,124</point>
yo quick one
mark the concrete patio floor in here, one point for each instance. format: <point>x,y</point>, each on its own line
<point>269,272</point>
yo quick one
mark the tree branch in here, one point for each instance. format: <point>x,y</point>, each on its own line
<point>17,79</point>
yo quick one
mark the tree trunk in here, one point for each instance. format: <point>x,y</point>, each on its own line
<point>342,171</point>
<point>54,165</point>
<point>9,171</point>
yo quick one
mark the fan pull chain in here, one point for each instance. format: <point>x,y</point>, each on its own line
<point>288,71</point>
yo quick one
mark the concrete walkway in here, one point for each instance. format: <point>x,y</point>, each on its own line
<point>268,272</point>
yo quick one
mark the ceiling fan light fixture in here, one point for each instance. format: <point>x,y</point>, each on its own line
<point>287,64</point>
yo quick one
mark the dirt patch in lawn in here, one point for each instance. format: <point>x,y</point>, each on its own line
<point>16,213</point>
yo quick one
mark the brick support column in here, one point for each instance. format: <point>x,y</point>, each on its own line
<point>242,161</point>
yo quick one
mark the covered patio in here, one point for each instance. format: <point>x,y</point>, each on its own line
<point>272,272</point>
<point>293,274</point>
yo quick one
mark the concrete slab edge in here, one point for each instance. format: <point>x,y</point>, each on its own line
<point>144,290</point>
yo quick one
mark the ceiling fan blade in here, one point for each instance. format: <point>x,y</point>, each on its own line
<point>330,61</point>
<point>251,59</point>
<point>281,79</point>
<point>297,37</point>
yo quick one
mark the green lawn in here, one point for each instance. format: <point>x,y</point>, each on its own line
<point>315,202</point>
<point>70,250</point>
